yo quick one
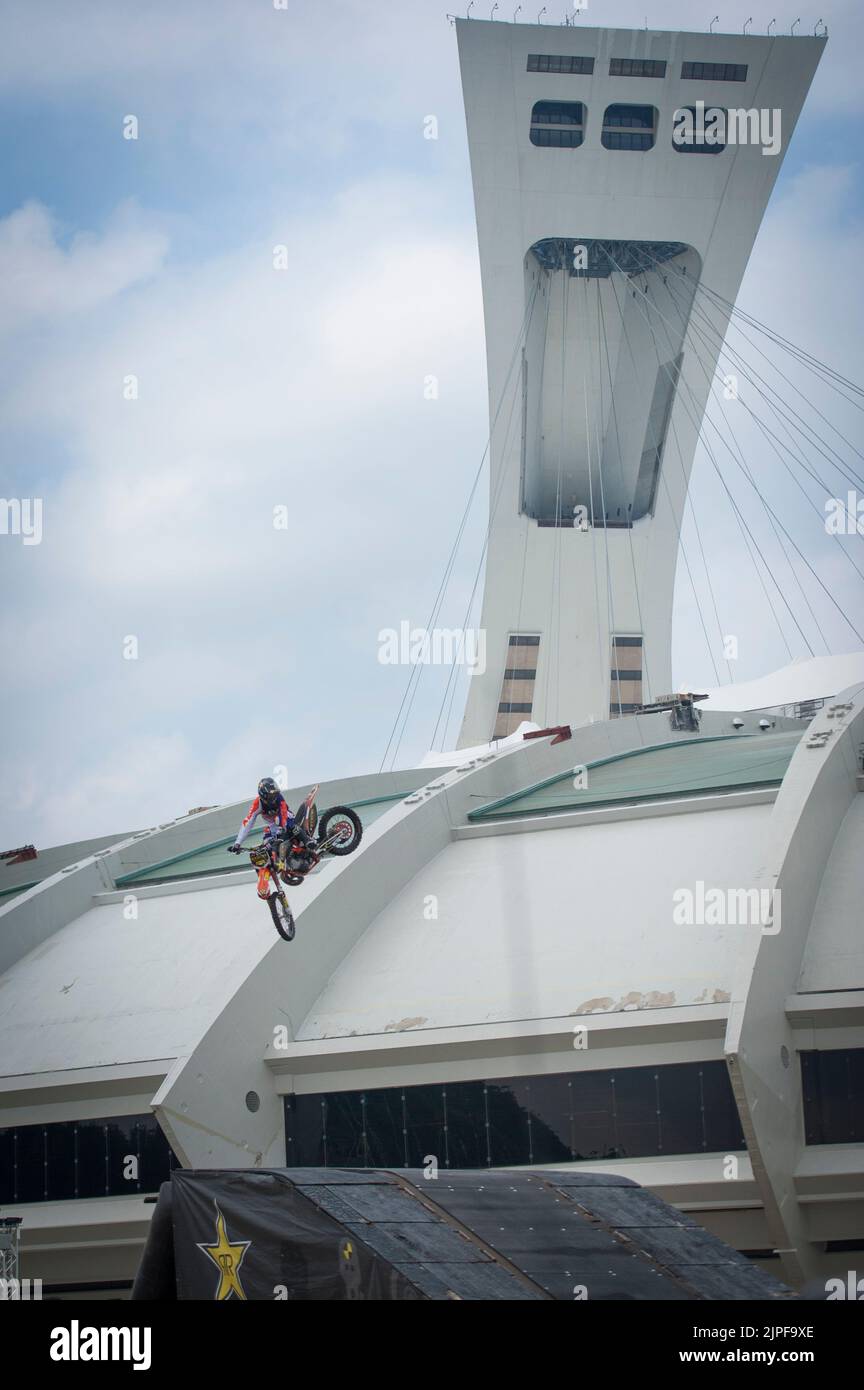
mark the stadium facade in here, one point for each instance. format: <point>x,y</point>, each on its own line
<point>632,947</point>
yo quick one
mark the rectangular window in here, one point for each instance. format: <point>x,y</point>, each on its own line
<point>832,1084</point>
<point>637,67</point>
<point>83,1158</point>
<point>630,1112</point>
<point>557,124</point>
<point>516,700</point>
<point>625,688</point>
<point>715,72</point>
<point>629,127</point>
<point>694,135</point>
<point>559,62</point>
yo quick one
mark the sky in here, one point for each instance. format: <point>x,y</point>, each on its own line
<point>164,387</point>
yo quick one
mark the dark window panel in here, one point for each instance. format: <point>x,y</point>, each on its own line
<point>508,707</point>
<point>424,1124</point>
<point>682,1129</point>
<point>723,1132</point>
<point>699,146</point>
<point>556,139</point>
<point>626,140</point>
<point>559,62</point>
<point>856,1094</point>
<point>7,1166</point>
<point>513,673</point>
<point>833,1093</point>
<point>61,1161</point>
<point>550,1119</point>
<point>557,113</point>
<point>30,1164</point>
<point>637,1123</point>
<point>91,1148</point>
<point>520,640</point>
<point>385,1129</point>
<point>344,1140</point>
<point>621,674</point>
<point>156,1158</point>
<point>629,117</point>
<point>593,1115</point>
<point>715,72</point>
<point>123,1146</point>
<point>627,641</point>
<point>637,67</point>
<point>465,1110</point>
<point>304,1121</point>
<point>507,1109</point>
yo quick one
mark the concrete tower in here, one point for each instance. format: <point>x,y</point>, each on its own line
<point>595,227</point>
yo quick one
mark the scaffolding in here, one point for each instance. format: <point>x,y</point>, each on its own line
<point>10,1241</point>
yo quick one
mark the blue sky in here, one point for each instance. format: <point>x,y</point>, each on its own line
<point>303,388</point>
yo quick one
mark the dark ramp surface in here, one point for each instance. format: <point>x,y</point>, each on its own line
<point>329,1233</point>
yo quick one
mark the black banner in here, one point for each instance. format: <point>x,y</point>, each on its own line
<point>253,1236</point>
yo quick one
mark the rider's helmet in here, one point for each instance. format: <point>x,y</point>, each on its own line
<point>269,795</point>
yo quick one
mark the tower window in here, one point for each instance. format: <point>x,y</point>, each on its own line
<point>517,687</point>
<point>637,67</point>
<point>629,127</point>
<point>715,72</point>
<point>558,124</point>
<point>693,133</point>
<point>559,62</point>
<point>625,692</point>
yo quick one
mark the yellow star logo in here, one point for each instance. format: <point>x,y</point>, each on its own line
<point>227,1257</point>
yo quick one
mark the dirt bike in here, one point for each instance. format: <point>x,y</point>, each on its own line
<point>287,857</point>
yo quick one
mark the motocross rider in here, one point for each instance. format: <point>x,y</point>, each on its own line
<point>274,810</point>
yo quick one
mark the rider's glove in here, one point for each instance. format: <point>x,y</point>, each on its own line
<point>234,849</point>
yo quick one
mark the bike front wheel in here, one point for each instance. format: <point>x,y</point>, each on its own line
<point>283,917</point>
<point>344,824</point>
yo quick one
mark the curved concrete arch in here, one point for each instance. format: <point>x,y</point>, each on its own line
<point>820,785</point>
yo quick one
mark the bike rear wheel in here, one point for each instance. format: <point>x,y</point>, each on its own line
<point>341,821</point>
<point>283,917</point>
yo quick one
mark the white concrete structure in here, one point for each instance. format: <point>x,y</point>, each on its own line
<point>192,1006</point>
<point>566,929</point>
<point>596,384</point>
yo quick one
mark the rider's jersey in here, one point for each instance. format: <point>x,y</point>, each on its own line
<point>276,821</point>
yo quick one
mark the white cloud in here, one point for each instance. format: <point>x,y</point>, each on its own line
<point>41,279</point>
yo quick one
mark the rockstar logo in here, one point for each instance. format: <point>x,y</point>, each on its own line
<point>227,1257</point>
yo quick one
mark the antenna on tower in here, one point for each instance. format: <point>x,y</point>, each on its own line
<point>746,22</point>
<point>797,21</point>
<point>715,20</point>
